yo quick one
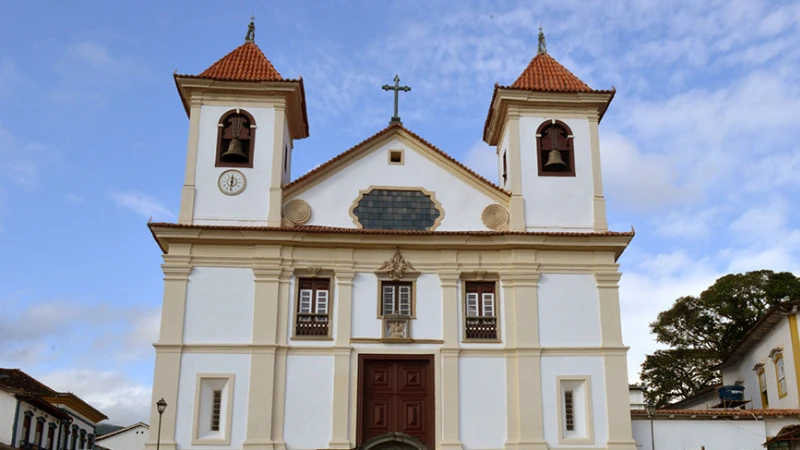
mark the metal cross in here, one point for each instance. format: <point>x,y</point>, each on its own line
<point>396,88</point>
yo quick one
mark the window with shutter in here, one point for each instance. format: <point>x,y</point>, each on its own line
<point>480,321</point>
<point>313,308</point>
<point>397,298</point>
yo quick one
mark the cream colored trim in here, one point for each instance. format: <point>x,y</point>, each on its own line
<point>366,340</point>
<point>411,143</point>
<point>186,212</point>
<point>589,416</point>
<point>795,347</point>
<point>276,170</point>
<point>432,195</point>
<point>390,152</point>
<point>226,435</point>
<point>599,201</point>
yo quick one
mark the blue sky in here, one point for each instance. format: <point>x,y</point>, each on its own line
<point>700,146</point>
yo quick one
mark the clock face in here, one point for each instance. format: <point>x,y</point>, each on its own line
<point>232,182</point>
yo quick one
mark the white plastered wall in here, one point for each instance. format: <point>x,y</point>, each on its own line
<point>196,363</point>
<point>502,149</point>
<point>778,336</point>
<point>573,366</point>
<point>219,306</point>
<point>251,206</point>
<point>132,439</point>
<point>331,199</point>
<point>309,402</point>
<point>693,434</point>
<point>8,407</point>
<point>482,410</point>
<point>569,310</point>
<point>557,203</point>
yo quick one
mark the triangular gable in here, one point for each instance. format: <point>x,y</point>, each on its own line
<point>444,160</point>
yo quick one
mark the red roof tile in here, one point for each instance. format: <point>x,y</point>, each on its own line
<point>722,412</point>
<point>325,229</point>
<point>245,63</point>
<point>378,135</point>
<point>17,380</point>
<point>544,73</point>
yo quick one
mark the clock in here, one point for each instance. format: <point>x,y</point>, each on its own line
<point>232,182</point>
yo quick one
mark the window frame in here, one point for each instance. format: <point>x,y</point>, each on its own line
<point>541,153</point>
<point>402,157</point>
<point>224,437</point>
<point>479,283</point>
<point>588,416</point>
<point>25,434</point>
<point>761,374</point>
<point>398,283</point>
<point>300,278</point>
<point>783,391</point>
<point>218,162</point>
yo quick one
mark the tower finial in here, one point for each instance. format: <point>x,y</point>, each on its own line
<point>542,43</point>
<point>251,30</point>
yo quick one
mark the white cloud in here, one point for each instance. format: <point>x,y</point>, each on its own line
<point>141,204</point>
<point>74,198</point>
<point>482,159</point>
<point>122,399</point>
<point>94,54</point>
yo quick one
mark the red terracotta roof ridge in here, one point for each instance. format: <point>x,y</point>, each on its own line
<point>244,63</point>
<point>311,173</point>
<point>328,229</point>
<point>544,73</point>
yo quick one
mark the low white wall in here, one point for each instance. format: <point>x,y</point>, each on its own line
<point>132,439</point>
<point>694,434</point>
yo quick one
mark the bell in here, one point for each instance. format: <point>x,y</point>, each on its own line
<point>554,159</point>
<point>234,152</point>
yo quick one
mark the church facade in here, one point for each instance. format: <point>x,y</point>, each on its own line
<point>390,295</point>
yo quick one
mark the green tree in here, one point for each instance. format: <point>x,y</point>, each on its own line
<point>701,331</point>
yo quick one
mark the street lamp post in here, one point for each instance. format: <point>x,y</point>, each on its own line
<point>651,411</point>
<point>161,405</point>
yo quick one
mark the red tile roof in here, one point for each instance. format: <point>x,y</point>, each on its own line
<point>378,135</point>
<point>17,380</point>
<point>544,73</point>
<point>721,412</point>
<point>245,63</point>
<point>326,229</point>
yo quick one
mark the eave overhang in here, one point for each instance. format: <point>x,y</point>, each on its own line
<point>507,98</point>
<point>166,234</point>
<point>192,88</point>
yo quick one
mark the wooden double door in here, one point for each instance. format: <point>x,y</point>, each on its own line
<point>396,395</point>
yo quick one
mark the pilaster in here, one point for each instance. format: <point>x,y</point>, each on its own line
<point>279,387</point>
<point>615,364</point>
<point>340,438</point>
<point>262,363</point>
<point>186,211</point>
<point>276,171</point>
<point>599,201</point>
<point>166,375</point>
<point>517,206</point>
<point>449,361</point>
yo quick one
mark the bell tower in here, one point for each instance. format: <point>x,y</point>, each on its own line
<point>243,120</point>
<point>545,129</point>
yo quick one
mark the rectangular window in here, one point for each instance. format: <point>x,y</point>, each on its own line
<point>216,408</point>
<point>569,411</point>
<point>505,169</point>
<point>37,436</point>
<point>396,298</point>
<point>26,429</point>
<point>480,310</point>
<point>762,386</point>
<point>313,307</point>
<point>781,374</point>
<point>51,435</point>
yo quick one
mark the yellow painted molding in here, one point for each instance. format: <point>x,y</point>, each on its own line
<point>795,346</point>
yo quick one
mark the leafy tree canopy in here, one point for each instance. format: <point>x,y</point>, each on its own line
<point>701,331</point>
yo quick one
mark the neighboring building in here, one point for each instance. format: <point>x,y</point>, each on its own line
<point>636,397</point>
<point>767,360</point>
<point>733,429</point>
<point>705,399</point>
<point>131,437</point>
<point>41,418</point>
<point>391,289</point>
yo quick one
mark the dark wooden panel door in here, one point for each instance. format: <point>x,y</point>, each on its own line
<point>397,395</point>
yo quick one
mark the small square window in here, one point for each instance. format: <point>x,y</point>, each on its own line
<point>395,157</point>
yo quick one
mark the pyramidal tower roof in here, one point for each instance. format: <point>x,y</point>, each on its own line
<point>546,74</point>
<point>245,63</point>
